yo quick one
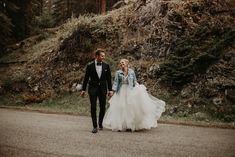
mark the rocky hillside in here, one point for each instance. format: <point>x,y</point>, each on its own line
<point>182,50</point>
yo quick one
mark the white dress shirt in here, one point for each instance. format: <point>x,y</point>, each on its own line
<point>98,69</point>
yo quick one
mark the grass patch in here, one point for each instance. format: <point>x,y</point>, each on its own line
<point>75,105</point>
<point>67,103</point>
<point>191,120</point>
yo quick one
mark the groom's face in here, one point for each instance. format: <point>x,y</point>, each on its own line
<point>100,57</point>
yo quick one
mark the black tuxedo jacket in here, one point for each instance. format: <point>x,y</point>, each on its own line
<point>95,83</point>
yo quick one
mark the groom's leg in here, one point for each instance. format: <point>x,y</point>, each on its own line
<point>102,101</point>
<point>93,99</point>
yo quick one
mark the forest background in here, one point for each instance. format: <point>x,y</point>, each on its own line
<point>182,50</point>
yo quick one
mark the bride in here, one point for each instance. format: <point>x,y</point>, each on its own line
<point>131,107</point>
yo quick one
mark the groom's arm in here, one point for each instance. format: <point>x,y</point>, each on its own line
<point>109,77</point>
<point>86,78</point>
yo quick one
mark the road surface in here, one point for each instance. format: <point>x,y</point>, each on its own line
<point>32,134</point>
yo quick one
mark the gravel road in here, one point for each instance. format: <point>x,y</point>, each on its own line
<point>32,134</point>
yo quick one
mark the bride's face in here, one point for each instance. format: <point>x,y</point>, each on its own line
<point>123,64</point>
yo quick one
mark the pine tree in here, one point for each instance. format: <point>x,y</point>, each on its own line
<point>16,18</point>
<point>6,25</point>
<point>63,9</point>
<point>22,19</point>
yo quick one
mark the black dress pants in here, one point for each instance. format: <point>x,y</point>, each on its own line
<point>93,101</point>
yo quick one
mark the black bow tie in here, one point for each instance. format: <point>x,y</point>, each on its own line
<point>98,63</point>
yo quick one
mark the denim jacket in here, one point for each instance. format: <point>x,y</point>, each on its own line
<point>119,76</point>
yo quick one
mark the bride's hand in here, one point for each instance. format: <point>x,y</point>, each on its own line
<point>110,94</point>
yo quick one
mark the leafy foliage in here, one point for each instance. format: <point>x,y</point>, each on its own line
<point>194,55</point>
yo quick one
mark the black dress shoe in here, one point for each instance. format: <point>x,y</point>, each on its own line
<point>100,128</point>
<point>94,130</point>
<point>128,130</point>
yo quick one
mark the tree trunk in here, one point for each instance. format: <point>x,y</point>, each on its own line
<point>68,9</point>
<point>103,6</point>
<point>49,6</point>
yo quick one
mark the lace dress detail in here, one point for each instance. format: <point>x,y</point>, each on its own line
<point>125,80</point>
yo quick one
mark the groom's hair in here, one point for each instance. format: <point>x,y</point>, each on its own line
<point>99,51</point>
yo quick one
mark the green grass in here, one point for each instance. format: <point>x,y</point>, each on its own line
<point>75,105</point>
<point>193,121</point>
<point>68,103</point>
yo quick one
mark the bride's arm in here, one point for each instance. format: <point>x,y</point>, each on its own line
<point>135,79</point>
<point>115,83</point>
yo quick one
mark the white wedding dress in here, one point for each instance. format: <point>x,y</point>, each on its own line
<point>133,108</point>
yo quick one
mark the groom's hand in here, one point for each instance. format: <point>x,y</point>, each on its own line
<point>82,94</point>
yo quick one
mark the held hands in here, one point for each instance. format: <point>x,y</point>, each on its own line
<point>110,93</point>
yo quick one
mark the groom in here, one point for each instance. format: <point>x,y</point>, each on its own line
<point>98,78</point>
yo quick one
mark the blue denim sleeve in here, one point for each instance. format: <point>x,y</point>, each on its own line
<point>115,83</point>
<point>134,79</point>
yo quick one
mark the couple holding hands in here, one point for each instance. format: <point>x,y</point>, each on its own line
<point>131,107</point>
